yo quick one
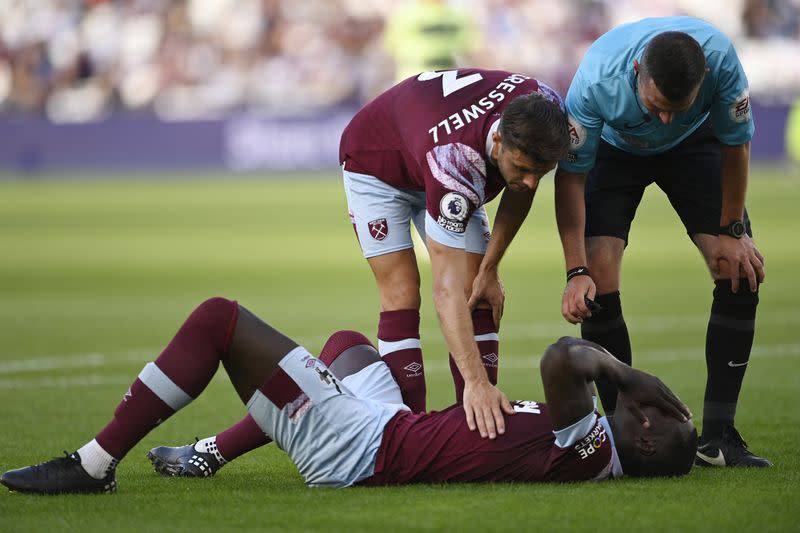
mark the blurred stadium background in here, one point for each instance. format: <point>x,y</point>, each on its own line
<point>124,129</point>
<point>267,85</point>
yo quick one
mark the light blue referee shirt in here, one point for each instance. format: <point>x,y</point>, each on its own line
<point>603,99</point>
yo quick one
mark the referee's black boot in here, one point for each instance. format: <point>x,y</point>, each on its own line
<point>729,450</point>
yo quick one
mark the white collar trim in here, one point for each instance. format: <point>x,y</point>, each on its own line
<point>616,466</point>
<point>489,142</point>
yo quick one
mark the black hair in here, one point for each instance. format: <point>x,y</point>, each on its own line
<point>537,127</point>
<point>674,455</point>
<point>675,62</point>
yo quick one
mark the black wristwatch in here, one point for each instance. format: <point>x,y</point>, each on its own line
<point>735,229</point>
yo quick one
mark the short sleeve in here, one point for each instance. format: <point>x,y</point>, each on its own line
<point>455,182</point>
<point>731,114</point>
<point>585,126</point>
<point>570,435</point>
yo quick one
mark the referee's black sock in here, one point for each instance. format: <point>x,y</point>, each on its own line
<point>728,343</point>
<point>607,328</point>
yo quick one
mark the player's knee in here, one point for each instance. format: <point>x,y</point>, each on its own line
<point>214,318</point>
<point>340,342</point>
<point>557,350</point>
<point>552,359</point>
<point>566,347</point>
<point>400,292</point>
<point>214,306</point>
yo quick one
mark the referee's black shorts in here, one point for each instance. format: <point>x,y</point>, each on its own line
<point>689,174</point>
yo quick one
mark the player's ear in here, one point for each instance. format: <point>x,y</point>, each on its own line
<point>497,144</point>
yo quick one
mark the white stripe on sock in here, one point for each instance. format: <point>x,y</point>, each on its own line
<point>163,387</point>
<point>487,337</point>
<point>387,347</point>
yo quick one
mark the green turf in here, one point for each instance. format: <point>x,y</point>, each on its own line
<point>95,276</point>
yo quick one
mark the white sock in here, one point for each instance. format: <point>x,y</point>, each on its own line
<point>209,445</point>
<point>97,462</point>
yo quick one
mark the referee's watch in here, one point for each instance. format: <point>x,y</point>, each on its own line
<point>735,229</point>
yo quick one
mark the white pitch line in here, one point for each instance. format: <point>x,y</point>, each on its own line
<point>52,363</point>
<point>432,366</point>
<point>65,383</point>
<point>551,330</point>
<point>514,331</point>
<point>87,360</point>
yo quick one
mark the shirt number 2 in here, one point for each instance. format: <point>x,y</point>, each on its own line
<point>450,80</point>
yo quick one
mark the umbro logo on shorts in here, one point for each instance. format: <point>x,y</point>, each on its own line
<point>378,228</point>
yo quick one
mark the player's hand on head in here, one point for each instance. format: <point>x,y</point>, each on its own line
<point>640,389</point>
<point>573,303</point>
<point>488,289</point>
<point>484,406</point>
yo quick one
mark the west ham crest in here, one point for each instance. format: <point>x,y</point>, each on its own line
<point>378,228</point>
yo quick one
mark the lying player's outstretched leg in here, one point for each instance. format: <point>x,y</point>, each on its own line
<point>338,435</point>
<point>218,330</point>
<point>346,353</point>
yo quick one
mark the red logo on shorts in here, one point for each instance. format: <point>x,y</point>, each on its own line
<point>378,228</point>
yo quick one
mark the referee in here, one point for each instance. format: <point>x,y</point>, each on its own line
<point>665,101</point>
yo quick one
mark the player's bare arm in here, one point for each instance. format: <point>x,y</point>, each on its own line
<point>571,220</point>
<point>511,213</point>
<point>568,369</point>
<point>736,258</point>
<point>484,404</point>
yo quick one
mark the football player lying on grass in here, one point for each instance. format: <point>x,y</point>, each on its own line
<point>354,429</point>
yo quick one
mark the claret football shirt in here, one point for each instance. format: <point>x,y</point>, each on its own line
<point>439,447</point>
<point>432,133</point>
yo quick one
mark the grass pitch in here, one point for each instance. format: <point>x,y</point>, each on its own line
<point>96,276</point>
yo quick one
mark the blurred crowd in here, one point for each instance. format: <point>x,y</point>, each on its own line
<point>80,60</point>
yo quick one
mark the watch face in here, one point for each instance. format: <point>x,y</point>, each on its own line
<point>737,229</point>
